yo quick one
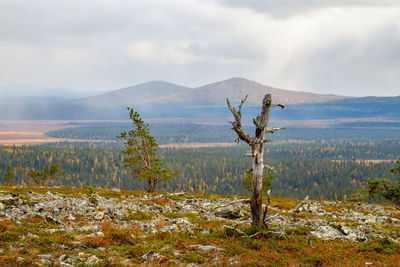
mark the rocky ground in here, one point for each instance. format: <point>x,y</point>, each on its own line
<point>75,227</point>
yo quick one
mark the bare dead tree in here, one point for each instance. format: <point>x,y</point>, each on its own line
<point>257,148</point>
<point>297,209</point>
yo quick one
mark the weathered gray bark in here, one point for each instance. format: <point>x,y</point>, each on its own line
<point>150,186</point>
<point>257,149</point>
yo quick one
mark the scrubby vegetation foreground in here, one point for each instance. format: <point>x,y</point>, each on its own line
<point>67,226</point>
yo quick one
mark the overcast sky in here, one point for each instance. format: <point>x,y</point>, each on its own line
<point>347,47</point>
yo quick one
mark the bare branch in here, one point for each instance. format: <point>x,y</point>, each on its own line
<point>268,167</point>
<point>237,124</point>
<point>296,210</point>
<point>272,130</point>
<point>241,104</point>
<point>278,105</point>
<point>256,234</point>
<point>243,135</point>
<point>266,210</point>
<point>237,114</point>
<point>233,110</point>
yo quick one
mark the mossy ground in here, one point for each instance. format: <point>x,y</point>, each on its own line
<point>32,237</point>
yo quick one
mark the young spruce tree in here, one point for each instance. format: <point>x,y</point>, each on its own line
<point>140,154</point>
<point>47,177</point>
<point>386,188</point>
<point>9,176</point>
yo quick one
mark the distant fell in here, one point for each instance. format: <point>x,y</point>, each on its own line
<point>137,94</point>
<point>162,100</point>
<point>237,88</point>
<point>215,93</point>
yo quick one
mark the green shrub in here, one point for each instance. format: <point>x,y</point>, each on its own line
<point>139,216</point>
<point>316,260</point>
<point>91,190</point>
<point>380,246</point>
<point>9,237</point>
<point>301,230</point>
<point>193,257</point>
<point>121,237</point>
<point>386,188</point>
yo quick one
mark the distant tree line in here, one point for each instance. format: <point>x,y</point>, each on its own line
<point>323,170</point>
<point>195,133</point>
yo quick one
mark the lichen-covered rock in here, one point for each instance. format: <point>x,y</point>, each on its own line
<point>67,214</point>
<point>327,232</point>
<point>312,207</point>
<point>92,260</point>
<point>152,257</point>
<point>207,248</point>
<point>229,213</point>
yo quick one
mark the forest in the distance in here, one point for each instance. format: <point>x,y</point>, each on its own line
<point>325,163</point>
<point>203,133</point>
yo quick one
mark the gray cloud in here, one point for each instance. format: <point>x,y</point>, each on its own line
<point>371,68</point>
<point>343,47</point>
<point>292,7</point>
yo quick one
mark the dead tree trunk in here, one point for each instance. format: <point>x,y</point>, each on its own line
<point>257,149</point>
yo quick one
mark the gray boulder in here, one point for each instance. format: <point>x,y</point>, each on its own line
<point>229,213</point>
<point>327,232</point>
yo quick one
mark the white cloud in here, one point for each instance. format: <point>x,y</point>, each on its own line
<point>343,47</point>
<point>164,54</point>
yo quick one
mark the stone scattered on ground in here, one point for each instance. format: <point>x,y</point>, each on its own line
<point>207,248</point>
<point>328,220</point>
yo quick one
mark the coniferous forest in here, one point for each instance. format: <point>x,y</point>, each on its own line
<point>325,163</point>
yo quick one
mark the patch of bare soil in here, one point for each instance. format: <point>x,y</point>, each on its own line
<point>33,132</point>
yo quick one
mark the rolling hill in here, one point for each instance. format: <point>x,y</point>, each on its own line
<point>137,94</point>
<point>236,88</point>
<point>214,93</point>
<point>162,100</point>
